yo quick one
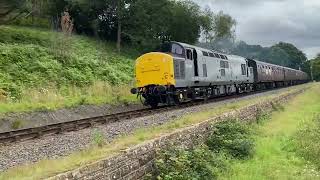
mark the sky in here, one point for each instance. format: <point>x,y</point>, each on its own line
<point>266,22</point>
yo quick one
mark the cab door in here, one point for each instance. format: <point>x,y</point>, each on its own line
<point>191,71</point>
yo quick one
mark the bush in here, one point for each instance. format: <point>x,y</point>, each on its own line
<point>199,163</point>
<point>307,142</point>
<point>232,137</point>
<point>98,138</point>
<point>17,124</point>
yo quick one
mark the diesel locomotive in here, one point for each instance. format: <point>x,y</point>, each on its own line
<point>181,72</point>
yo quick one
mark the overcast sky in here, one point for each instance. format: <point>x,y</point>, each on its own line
<point>267,22</point>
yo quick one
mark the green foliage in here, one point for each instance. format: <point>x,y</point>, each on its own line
<point>287,145</point>
<point>17,124</point>
<point>37,58</point>
<point>315,64</point>
<point>307,141</point>
<point>98,138</point>
<point>199,163</point>
<point>262,117</point>
<point>144,23</point>
<point>223,26</point>
<point>232,137</point>
<point>284,54</point>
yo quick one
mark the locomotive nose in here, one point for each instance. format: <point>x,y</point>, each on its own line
<point>154,69</point>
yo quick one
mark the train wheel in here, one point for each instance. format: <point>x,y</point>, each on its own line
<point>154,104</point>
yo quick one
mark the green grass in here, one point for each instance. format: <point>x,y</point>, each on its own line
<point>61,71</point>
<point>47,168</point>
<point>276,156</point>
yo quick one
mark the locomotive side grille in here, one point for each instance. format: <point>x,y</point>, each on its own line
<point>179,69</point>
<point>205,73</point>
<point>176,69</point>
<point>182,69</point>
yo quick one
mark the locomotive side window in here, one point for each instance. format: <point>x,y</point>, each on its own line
<point>221,64</point>
<point>205,53</point>
<point>189,54</point>
<point>177,49</point>
<point>243,69</point>
<point>224,64</point>
<point>223,72</point>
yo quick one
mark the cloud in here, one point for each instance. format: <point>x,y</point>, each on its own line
<point>267,22</point>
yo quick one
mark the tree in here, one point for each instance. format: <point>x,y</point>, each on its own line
<point>223,26</point>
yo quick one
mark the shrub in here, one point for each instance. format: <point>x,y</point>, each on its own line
<point>262,117</point>
<point>198,163</point>
<point>17,124</point>
<point>232,137</point>
<point>98,138</point>
<point>277,107</point>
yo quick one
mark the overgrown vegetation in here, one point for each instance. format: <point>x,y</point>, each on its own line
<point>307,142</point>
<point>40,69</point>
<point>287,145</point>
<point>314,65</point>
<point>284,146</point>
<point>17,124</point>
<point>229,139</point>
<point>232,137</point>
<point>98,138</point>
<point>198,163</point>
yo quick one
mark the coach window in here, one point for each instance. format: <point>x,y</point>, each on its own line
<point>216,55</point>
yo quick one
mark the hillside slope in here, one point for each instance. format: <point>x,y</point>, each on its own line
<point>40,69</point>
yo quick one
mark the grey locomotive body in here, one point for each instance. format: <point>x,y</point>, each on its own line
<point>201,73</point>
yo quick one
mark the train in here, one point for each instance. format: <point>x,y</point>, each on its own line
<point>181,72</point>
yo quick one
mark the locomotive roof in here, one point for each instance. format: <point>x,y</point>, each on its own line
<point>199,48</point>
<point>234,56</point>
<point>265,63</point>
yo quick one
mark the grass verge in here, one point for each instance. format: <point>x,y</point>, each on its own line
<point>46,99</point>
<point>47,168</point>
<point>286,146</point>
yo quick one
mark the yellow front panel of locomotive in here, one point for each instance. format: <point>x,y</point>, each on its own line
<point>154,69</point>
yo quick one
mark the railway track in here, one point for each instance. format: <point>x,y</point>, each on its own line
<point>58,128</point>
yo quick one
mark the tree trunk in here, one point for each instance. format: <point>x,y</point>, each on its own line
<point>119,27</point>
<point>119,37</point>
